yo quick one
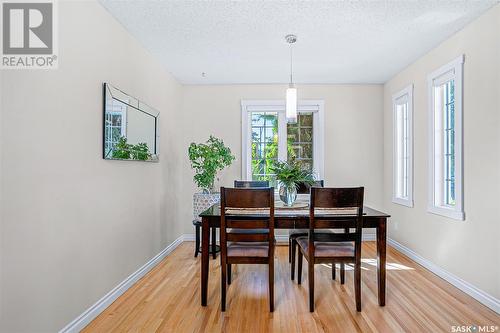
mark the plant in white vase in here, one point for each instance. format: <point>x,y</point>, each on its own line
<point>207,159</point>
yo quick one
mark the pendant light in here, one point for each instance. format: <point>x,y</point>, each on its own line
<point>291,91</point>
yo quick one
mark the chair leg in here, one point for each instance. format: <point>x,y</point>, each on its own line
<point>197,242</point>
<point>271,284</point>
<point>214,248</point>
<point>357,285</point>
<point>310,272</point>
<point>299,268</point>
<point>223,267</point>
<point>292,266</point>
<point>228,274</point>
<point>290,249</point>
<point>333,271</point>
<point>342,273</point>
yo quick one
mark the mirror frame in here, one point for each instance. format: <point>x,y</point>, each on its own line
<point>140,106</point>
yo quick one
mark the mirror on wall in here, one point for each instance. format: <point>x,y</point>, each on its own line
<point>130,127</point>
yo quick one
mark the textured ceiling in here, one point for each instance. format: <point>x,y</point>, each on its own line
<point>338,41</point>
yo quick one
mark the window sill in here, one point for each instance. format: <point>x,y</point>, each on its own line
<point>447,212</point>
<point>403,202</point>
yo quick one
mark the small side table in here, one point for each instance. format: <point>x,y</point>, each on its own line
<point>213,247</point>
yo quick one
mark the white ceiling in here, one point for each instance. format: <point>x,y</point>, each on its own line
<point>338,41</point>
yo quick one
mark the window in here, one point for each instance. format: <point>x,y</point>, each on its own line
<point>267,137</point>
<point>264,142</point>
<point>445,144</point>
<point>300,140</point>
<point>402,106</point>
<point>115,125</point>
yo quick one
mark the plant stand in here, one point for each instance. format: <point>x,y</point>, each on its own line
<point>201,202</point>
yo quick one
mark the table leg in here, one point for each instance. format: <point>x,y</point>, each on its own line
<point>214,244</point>
<point>381,261</point>
<point>205,235</point>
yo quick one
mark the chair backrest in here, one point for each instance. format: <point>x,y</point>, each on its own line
<point>340,208</point>
<point>254,225</point>
<point>305,188</point>
<point>251,183</point>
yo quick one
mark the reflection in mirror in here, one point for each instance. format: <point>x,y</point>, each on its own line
<point>130,127</point>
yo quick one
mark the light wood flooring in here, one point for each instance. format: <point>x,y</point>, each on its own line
<point>167,299</point>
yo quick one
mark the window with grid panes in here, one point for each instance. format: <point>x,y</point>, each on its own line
<point>267,137</point>
<point>300,140</point>
<point>445,149</point>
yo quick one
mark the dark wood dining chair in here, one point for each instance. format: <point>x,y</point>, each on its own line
<point>303,188</point>
<point>242,238</point>
<point>251,183</point>
<point>331,208</point>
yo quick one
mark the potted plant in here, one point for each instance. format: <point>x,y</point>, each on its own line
<point>207,159</point>
<point>289,176</point>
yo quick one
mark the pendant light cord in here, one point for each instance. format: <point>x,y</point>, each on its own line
<point>291,65</point>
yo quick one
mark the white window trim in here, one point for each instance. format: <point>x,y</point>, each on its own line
<point>454,70</point>
<point>315,106</point>
<point>408,91</point>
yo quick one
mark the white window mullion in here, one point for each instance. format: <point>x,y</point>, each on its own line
<point>282,135</point>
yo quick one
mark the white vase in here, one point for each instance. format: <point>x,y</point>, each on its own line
<point>203,201</point>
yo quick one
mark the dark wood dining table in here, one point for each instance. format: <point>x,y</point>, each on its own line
<point>299,220</point>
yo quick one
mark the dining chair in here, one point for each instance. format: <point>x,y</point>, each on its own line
<point>242,238</point>
<point>251,183</point>
<point>303,188</point>
<point>329,208</point>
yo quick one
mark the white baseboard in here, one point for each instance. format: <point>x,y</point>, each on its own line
<point>481,296</point>
<point>86,317</point>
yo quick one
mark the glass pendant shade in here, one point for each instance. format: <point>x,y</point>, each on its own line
<point>291,104</point>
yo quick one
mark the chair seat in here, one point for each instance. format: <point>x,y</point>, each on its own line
<point>328,249</point>
<point>248,249</point>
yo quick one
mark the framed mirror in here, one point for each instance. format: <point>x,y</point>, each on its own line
<point>130,127</point>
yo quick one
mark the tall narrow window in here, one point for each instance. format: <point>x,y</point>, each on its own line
<point>267,137</point>
<point>402,105</point>
<point>445,144</point>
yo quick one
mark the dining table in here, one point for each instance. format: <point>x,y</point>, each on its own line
<point>299,219</point>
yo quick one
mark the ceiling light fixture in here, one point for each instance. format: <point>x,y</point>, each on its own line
<point>291,91</point>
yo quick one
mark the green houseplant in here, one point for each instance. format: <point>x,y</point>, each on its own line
<point>207,159</point>
<point>127,151</point>
<point>289,175</point>
<point>122,149</point>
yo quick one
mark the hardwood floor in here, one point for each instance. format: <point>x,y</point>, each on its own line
<point>168,300</point>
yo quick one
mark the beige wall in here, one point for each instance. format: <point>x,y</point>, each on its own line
<point>353,133</point>
<point>470,248</point>
<point>74,225</point>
